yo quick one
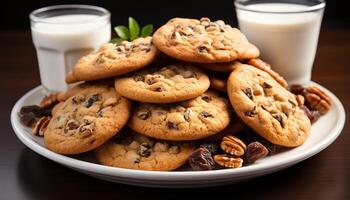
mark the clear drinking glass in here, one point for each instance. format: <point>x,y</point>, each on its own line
<point>285,31</point>
<point>64,33</point>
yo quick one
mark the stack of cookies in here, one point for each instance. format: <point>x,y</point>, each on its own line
<point>148,104</point>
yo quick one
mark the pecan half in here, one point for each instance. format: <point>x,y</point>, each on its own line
<point>228,161</point>
<point>318,99</point>
<point>40,126</point>
<point>233,145</point>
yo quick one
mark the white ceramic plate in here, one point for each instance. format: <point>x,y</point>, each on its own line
<point>323,133</point>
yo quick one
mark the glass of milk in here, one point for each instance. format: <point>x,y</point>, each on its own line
<point>286,33</point>
<point>64,33</point>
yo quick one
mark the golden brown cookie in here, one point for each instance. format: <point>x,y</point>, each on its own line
<point>113,60</point>
<point>166,84</point>
<point>134,151</point>
<point>201,40</point>
<point>267,107</point>
<point>251,52</point>
<point>87,120</point>
<point>194,119</point>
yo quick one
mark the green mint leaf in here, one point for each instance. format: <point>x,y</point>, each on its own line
<point>116,40</point>
<point>122,31</point>
<point>134,29</point>
<point>147,30</point>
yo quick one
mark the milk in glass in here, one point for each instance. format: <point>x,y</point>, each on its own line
<point>288,41</point>
<point>61,40</point>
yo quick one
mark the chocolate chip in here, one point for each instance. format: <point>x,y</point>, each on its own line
<point>85,130</point>
<point>207,98</point>
<point>143,115</point>
<point>92,100</point>
<point>203,49</point>
<point>139,78</point>
<point>158,89</point>
<point>279,118</point>
<point>144,150</point>
<point>313,115</point>
<point>251,113</point>
<point>28,119</point>
<point>206,114</point>
<point>248,92</point>
<point>189,74</point>
<point>73,125</point>
<point>172,125</point>
<point>266,85</point>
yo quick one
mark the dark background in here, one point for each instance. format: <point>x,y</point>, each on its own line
<point>14,14</point>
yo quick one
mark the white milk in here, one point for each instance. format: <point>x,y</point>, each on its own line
<point>288,41</point>
<point>63,41</point>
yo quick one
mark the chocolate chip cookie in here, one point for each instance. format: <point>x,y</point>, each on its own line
<point>87,120</point>
<point>251,52</point>
<point>194,119</point>
<point>201,40</point>
<point>170,83</point>
<point>113,60</point>
<point>267,107</point>
<point>134,151</point>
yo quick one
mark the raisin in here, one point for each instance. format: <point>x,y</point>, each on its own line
<point>28,119</point>
<point>279,118</point>
<point>92,100</point>
<point>250,113</point>
<point>255,151</point>
<point>144,150</point>
<point>207,98</point>
<point>73,125</point>
<point>297,89</point>
<point>139,78</point>
<point>313,115</point>
<point>212,147</point>
<point>206,114</point>
<point>249,93</point>
<point>203,49</point>
<point>172,125</point>
<point>201,159</point>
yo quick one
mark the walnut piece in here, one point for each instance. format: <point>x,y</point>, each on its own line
<point>228,161</point>
<point>233,145</point>
<point>318,99</point>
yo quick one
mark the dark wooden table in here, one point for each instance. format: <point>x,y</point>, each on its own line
<point>26,175</point>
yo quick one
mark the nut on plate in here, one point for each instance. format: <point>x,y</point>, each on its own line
<point>228,161</point>
<point>318,99</point>
<point>40,126</point>
<point>233,145</point>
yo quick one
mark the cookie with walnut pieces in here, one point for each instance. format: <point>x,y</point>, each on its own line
<point>201,41</point>
<point>86,120</point>
<point>113,60</point>
<point>134,151</point>
<point>165,84</point>
<point>194,119</point>
<point>267,107</point>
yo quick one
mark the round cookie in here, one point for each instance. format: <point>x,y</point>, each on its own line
<point>172,83</point>
<point>87,120</point>
<point>113,60</point>
<point>197,118</point>
<point>267,107</point>
<point>218,82</point>
<point>134,151</point>
<point>200,41</point>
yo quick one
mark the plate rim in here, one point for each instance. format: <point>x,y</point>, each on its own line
<point>174,175</point>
